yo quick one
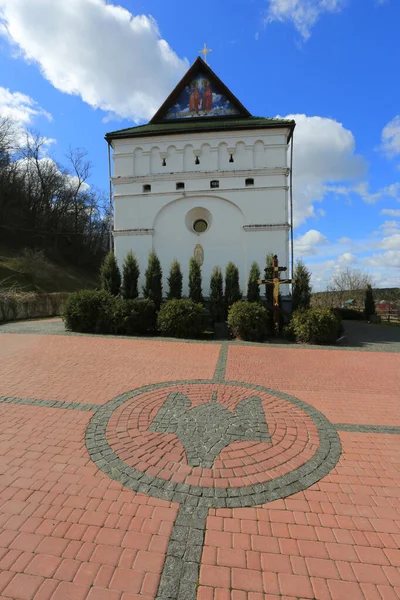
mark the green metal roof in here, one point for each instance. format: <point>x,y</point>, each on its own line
<point>202,124</point>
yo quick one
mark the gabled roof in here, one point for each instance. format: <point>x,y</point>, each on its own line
<point>199,67</point>
<point>200,102</point>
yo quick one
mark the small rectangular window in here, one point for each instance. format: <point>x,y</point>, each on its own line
<point>180,185</point>
<point>147,188</point>
<point>249,182</point>
<point>214,184</point>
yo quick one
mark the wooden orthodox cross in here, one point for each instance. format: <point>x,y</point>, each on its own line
<point>276,281</point>
<point>205,51</point>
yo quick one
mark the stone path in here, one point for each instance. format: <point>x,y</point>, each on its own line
<point>289,489</point>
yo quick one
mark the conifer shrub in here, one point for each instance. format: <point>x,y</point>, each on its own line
<point>90,311</point>
<point>182,318</point>
<point>130,276</point>
<point>110,276</point>
<point>152,289</point>
<point>135,317</point>
<point>249,321</point>
<point>369,303</point>
<point>175,281</point>
<point>301,297</point>
<point>253,287</point>
<point>232,287</point>
<point>195,284</point>
<point>217,301</point>
<point>315,326</point>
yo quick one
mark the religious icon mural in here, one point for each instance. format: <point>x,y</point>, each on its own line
<point>201,99</point>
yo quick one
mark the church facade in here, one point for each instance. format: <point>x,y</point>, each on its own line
<point>203,178</point>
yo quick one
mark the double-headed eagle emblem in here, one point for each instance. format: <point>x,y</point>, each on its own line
<point>206,429</point>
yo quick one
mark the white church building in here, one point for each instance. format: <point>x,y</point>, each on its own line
<point>203,178</point>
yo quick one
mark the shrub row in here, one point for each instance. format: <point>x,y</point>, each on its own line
<point>90,311</point>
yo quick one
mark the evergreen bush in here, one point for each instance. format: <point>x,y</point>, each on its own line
<point>110,276</point>
<point>217,302</point>
<point>302,287</point>
<point>315,326</point>
<point>175,281</point>
<point>195,291</point>
<point>130,276</point>
<point>90,311</point>
<point>249,321</point>
<point>135,317</point>
<point>152,289</point>
<point>232,288</point>
<point>253,288</point>
<point>182,318</point>
<point>369,303</point>
<point>349,314</point>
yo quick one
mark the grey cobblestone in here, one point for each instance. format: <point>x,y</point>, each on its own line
<point>367,428</point>
<point>312,471</point>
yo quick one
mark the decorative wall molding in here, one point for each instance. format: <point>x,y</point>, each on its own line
<point>119,232</point>
<point>187,175</point>
<point>267,227</point>
<point>204,192</point>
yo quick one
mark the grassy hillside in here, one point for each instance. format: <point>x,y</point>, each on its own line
<point>30,270</point>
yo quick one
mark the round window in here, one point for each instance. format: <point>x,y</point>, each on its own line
<point>200,226</point>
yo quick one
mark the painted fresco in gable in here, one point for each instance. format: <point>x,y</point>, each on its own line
<point>201,99</point>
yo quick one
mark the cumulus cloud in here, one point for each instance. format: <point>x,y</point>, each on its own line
<point>307,244</point>
<point>346,259</point>
<point>20,108</point>
<point>324,153</point>
<point>391,137</point>
<point>112,59</point>
<point>304,14</point>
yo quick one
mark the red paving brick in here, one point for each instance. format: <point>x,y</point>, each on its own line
<point>68,531</point>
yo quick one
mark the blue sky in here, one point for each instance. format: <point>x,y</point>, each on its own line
<point>75,70</point>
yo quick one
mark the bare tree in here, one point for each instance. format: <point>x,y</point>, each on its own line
<point>349,283</point>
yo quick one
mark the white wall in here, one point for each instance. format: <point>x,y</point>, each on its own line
<point>161,220</point>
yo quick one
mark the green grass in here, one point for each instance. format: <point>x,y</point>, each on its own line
<point>31,271</point>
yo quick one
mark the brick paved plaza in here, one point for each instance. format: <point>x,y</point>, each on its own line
<point>141,469</point>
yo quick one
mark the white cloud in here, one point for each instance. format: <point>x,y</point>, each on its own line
<point>386,261</point>
<point>389,227</point>
<point>307,244</point>
<point>391,242</point>
<point>20,108</point>
<point>391,212</point>
<point>304,14</point>
<point>324,152</point>
<point>112,59</point>
<point>362,190</point>
<point>391,137</point>
<point>346,259</point>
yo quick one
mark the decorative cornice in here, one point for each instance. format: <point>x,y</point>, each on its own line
<point>267,227</point>
<point>187,175</point>
<point>203,192</point>
<point>119,232</point>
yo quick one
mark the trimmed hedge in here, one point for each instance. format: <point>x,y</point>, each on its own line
<point>182,318</point>
<point>349,314</point>
<point>315,326</point>
<point>135,317</point>
<point>249,321</point>
<point>89,311</point>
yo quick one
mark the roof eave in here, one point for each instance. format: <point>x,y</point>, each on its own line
<point>242,127</point>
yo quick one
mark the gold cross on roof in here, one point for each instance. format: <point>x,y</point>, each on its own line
<point>205,51</point>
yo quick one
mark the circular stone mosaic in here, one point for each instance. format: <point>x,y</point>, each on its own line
<point>212,444</point>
